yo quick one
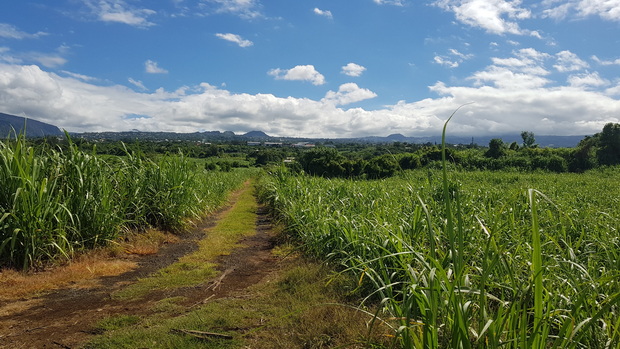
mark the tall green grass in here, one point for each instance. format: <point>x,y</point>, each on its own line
<point>54,202</point>
<point>471,259</point>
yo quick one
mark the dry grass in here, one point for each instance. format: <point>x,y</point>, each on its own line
<point>83,270</point>
<point>147,243</point>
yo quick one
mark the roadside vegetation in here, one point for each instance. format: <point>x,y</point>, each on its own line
<point>55,201</point>
<point>470,259</point>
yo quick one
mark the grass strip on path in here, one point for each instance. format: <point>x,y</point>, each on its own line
<point>194,269</point>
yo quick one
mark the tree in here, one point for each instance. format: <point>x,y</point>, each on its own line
<point>497,148</point>
<point>382,166</point>
<point>583,157</point>
<point>528,139</point>
<point>264,157</point>
<point>609,142</point>
<point>327,162</point>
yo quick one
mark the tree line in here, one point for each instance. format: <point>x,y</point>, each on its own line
<point>600,149</point>
<point>359,160</point>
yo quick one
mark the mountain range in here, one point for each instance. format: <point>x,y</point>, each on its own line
<point>35,128</point>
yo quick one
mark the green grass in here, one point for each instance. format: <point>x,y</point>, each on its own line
<point>471,259</point>
<point>198,267</point>
<point>54,202</point>
<point>300,308</point>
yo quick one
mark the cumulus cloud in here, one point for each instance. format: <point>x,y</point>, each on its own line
<point>353,69</point>
<point>605,9</point>
<point>494,16</point>
<point>348,93</point>
<point>511,94</point>
<point>235,38</point>
<point>119,11</point>
<point>300,72</point>
<point>587,81</point>
<point>152,67</point>
<point>323,13</point>
<point>9,31</point>
<point>568,61</point>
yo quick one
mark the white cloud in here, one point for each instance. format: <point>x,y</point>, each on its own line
<point>235,38</point>
<point>568,61</point>
<point>48,60</point>
<point>587,81</point>
<point>7,57</point>
<point>11,32</point>
<point>606,62</point>
<point>508,79</point>
<point>605,9</point>
<point>460,55</point>
<point>348,93</point>
<point>613,91</point>
<point>353,69</point>
<point>300,72</point>
<point>535,34</point>
<point>445,62</point>
<point>494,16</point>
<point>246,9</point>
<point>521,102</point>
<point>389,2</point>
<point>153,68</point>
<point>120,12</point>
<point>53,59</point>
<point>453,60</point>
<point>323,13</point>
<point>80,76</point>
<point>137,83</point>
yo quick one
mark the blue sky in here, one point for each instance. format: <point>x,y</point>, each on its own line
<point>325,68</point>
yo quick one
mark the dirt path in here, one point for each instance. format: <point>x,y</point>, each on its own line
<point>65,318</point>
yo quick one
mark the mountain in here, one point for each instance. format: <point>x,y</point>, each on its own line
<point>397,137</point>
<point>34,128</point>
<point>256,134</point>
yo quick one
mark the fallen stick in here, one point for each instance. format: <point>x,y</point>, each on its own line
<point>217,282</point>
<point>202,334</point>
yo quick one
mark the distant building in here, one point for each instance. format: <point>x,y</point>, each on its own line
<point>302,145</point>
<point>272,144</point>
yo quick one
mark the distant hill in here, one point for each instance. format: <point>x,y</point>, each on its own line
<point>209,136</point>
<point>256,134</point>
<point>34,128</point>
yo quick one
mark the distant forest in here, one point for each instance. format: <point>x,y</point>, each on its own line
<point>369,160</point>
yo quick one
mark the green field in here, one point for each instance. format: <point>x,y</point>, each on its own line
<point>54,202</point>
<point>484,259</point>
<point>459,259</point>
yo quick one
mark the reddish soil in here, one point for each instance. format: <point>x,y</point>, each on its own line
<point>65,318</point>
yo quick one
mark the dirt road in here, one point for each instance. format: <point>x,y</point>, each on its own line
<point>65,318</point>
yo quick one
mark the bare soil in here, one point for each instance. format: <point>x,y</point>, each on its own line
<point>66,318</point>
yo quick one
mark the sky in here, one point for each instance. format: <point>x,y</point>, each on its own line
<point>313,68</point>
